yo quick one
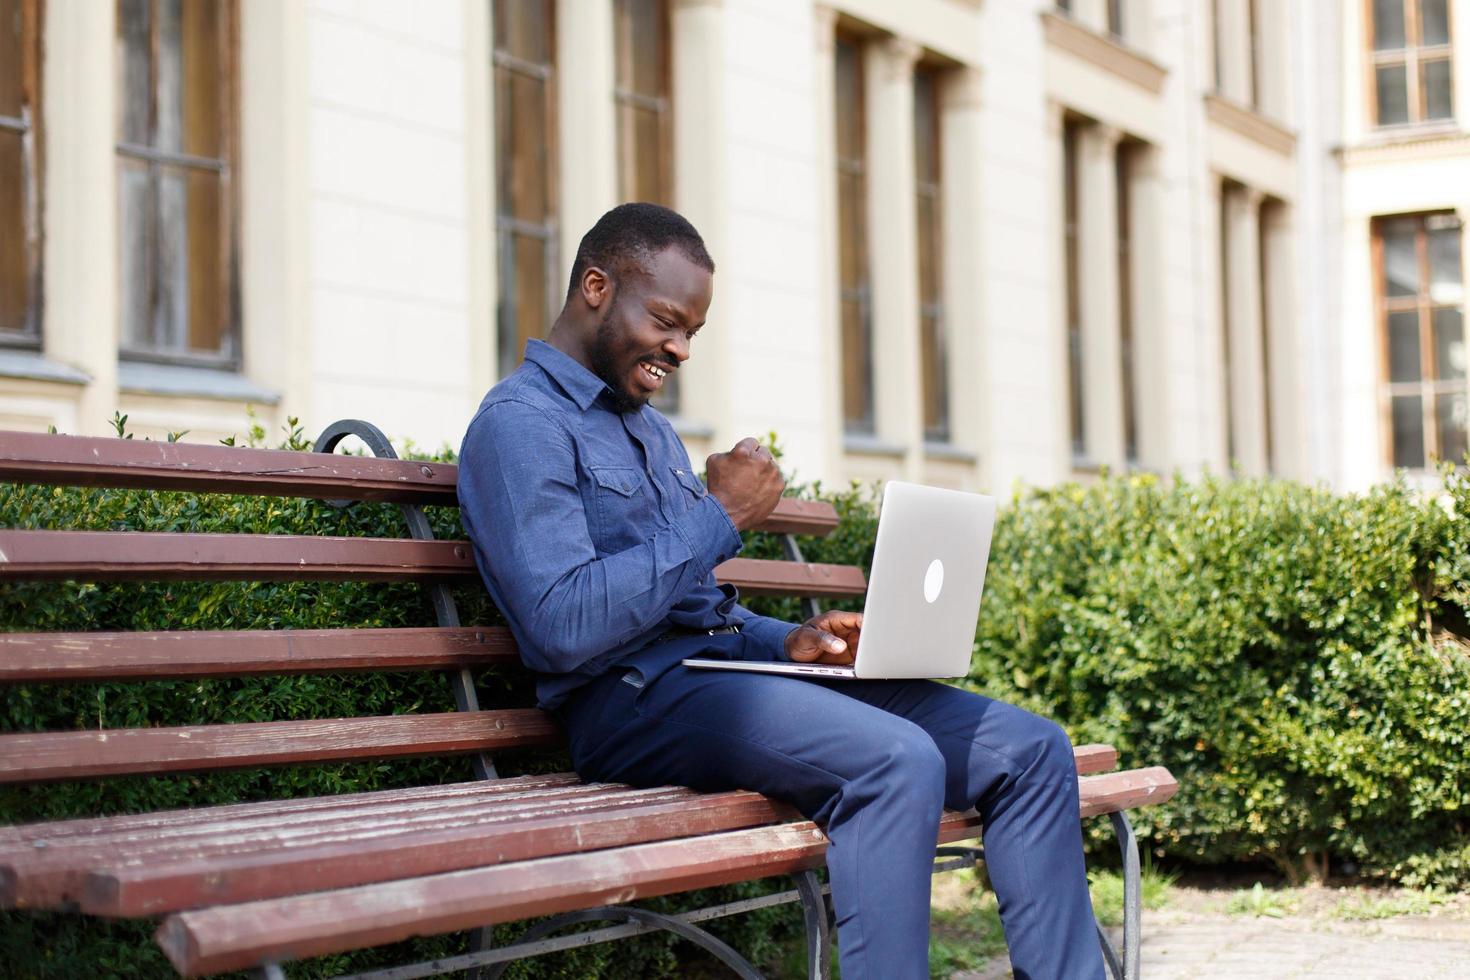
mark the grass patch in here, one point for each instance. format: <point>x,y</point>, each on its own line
<point>1107,892</point>
<point>965,938</point>
<point>1259,902</point>
<point>1390,906</point>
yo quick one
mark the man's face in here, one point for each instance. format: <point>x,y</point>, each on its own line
<point>646,328</point>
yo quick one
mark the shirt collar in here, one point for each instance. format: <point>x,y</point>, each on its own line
<point>580,384</point>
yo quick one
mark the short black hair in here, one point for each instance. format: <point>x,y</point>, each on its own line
<point>625,238</point>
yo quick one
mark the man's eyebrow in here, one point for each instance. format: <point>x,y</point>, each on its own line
<point>673,312</point>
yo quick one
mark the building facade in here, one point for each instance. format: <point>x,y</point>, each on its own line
<point>968,242</point>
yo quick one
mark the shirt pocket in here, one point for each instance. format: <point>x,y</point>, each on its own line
<point>622,507</point>
<point>694,488</point>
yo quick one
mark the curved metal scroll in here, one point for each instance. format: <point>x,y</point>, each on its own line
<point>461,681</point>
<point>616,913</point>
<point>818,925</point>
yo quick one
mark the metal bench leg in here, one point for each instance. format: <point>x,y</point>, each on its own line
<point>818,926</point>
<point>269,971</point>
<point>614,913</point>
<point>1128,968</point>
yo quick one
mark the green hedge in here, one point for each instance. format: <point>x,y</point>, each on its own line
<point>1296,657</point>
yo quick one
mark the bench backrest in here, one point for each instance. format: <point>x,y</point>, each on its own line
<point>110,556</point>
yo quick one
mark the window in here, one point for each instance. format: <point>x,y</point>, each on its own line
<point>642,98</point>
<point>20,172</point>
<point>1115,18</point>
<point>176,154</point>
<point>934,362</point>
<point>855,293</point>
<point>1127,353</point>
<point>1228,368</point>
<point>1421,304</point>
<point>1072,254</point>
<point>525,170</point>
<point>1409,55</point>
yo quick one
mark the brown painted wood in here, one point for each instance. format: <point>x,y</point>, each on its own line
<point>51,657</point>
<point>110,556</point>
<point>1094,757</point>
<point>50,872</point>
<point>237,936</point>
<point>353,859</point>
<point>131,463</point>
<point>87,461</point>
<point>1116,791</point>
<point>35,757</point>
<point>757,576</point>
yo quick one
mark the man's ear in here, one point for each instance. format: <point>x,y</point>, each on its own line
<point>597,287</point>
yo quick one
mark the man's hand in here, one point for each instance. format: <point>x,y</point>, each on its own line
<point>746,482</point>
<point>831,638</point>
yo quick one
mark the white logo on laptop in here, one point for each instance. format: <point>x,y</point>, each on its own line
<point>933,580</point>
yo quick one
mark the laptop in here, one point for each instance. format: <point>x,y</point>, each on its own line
<point>923,592</point>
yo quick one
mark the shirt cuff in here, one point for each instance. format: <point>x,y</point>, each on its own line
<point>710,534</point>
<point>768,636</point>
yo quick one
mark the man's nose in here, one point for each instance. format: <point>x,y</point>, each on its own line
<point>678,347</point>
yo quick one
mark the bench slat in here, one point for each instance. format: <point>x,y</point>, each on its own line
<point>49,873</point>
<point>89,461</point>
<point>357,859</point>
<point>1125,790</point>
<point>51,657</point>
<point>113,556</point>
<point>231,937</point>
<point>41,756</point>
<point>756,576</point>
<point>125,556</point>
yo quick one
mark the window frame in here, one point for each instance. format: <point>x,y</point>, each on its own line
<point>1428,386</point>
<point>661,105</point>
<point>1072,288</point>
<point>860,294</point>
<point>1412,56</point>
<point>231,356</point>
<point>30,124</point>
<point>932,320</point>
<point>507,225</point>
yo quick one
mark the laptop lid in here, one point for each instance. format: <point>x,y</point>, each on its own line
<point>924,587</point>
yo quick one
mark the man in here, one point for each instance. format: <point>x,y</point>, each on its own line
<point>597,541</point>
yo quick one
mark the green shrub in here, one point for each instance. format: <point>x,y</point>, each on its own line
<point>1275,645</point>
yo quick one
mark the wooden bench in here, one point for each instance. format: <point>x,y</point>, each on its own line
<point>252,885</point>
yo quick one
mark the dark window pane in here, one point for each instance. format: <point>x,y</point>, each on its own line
<point>1408,432</point>
<point>926,128</point>
<point>1400,259</point>
<point>639,41</point>
<point>641,95</point>
<point>929,250</point>
<point>1446,274</point>
<point>134,24</point>
<point>14,254</point>
<point>1072,258</point>
<point>852,250</point>
<point>523,298</point>
<point>1450,416</point>
<point>12,58</point>
<point>1434,22</point>
<point>857,368</point>
<point>1436,81</point>
<point>1449,344</point>
<point>201,111</point>
<point>936,382</point>
<point>522,134</point>
<point>1403,346</point>
<point>135,217</point>
<point>1388,24</point>
<point>522,29</point>
<point>1116,23</point>
<point>849,101</point>
<point>1393,95</point>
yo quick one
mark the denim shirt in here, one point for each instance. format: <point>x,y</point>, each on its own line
<point>593,533</point>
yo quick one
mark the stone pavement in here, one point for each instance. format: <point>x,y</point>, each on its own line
<point>1226,947</point>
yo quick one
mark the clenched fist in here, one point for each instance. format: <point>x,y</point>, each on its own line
<point>746,482</point>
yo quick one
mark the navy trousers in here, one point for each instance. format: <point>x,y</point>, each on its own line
<point>873,762</point>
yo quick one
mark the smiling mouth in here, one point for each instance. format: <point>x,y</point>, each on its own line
<point>653,374</point>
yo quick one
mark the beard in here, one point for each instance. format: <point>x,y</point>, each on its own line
<point>612,365</point>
